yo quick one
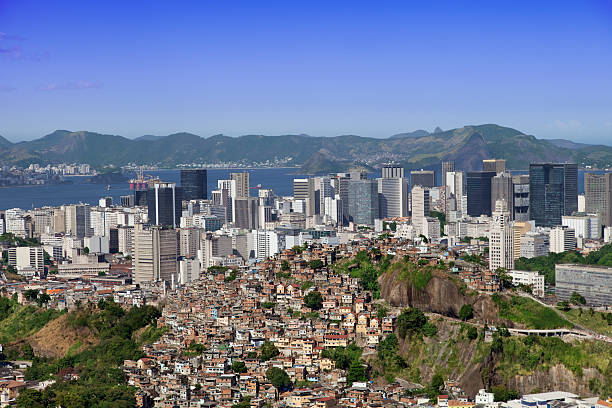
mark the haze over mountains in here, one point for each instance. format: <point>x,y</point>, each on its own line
<point>467,146</point>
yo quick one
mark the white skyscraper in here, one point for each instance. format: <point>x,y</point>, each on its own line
<point>501,238</point>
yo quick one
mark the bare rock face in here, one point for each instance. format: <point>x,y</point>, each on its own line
<point>557,377</point>
<point>441,295</point>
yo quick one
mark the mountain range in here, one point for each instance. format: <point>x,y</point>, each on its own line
<point>467,146</point>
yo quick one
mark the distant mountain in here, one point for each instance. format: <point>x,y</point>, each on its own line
<point>567,144</point>
<point>416,133</point>
<point>467,146</point>
<point>4,142</point>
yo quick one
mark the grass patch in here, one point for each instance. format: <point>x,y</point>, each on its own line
<point>25,321</point>
<point>529,313</point>
<point>595,321</point>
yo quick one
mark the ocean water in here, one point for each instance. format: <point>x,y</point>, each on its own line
<point>278,179</point>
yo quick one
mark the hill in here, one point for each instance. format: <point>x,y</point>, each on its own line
<point>467,146</point>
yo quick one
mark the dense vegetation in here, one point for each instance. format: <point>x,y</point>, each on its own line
<point>367,269</point>
<point>100,381</point>
<point>529,313</point>
<point>19,321</point>
<point>546,264</point>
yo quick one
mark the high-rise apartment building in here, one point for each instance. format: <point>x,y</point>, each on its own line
<point>155,254</point>
<point>164,201</point>
<point>27,258</point>
<point>423,178</point>
<point>598,196</point>
<point>242,183</point>
<point>447,166</point>
<point>363,201</point>
<point>392,171</point>
<point>189,242</point>
<point>553,192</point>
<point>562,239</point>
<point>193,182</point>
<point>534,244</point>
<point>501,238</point>
<point>494,165</point>
<point>479,193</point>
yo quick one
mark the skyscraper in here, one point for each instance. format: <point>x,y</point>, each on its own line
<point>496,165</point>
<point>393,193</point>
<point>164,201</point>
<point>479,193</point>
<point>502,189</point>
<point>420,206</point>
<point>501,238</point>
<point>447,166</point>
<point>363,201</point>
<point>553,192</point>
<point>598,196</point>
<point>246,212</point>
<point>242,183</point>
<point>303,189</point>
<point>520,187</point>
<point>455,191</point>
<point>392,171</point>
<point>155,254</point>
<point>78,220</point>
<point>424,178</point>
<point>193,182</point>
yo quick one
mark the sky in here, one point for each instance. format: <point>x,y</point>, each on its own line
<point>323,68</point>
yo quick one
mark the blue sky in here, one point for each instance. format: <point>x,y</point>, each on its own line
<point>322,68</point>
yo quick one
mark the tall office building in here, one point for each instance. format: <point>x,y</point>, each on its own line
<point>246,212</point>
<point>447,166</point>
<point>363,201</point>
<point>189,242</point>
<point>304,190</point>
<point>501,238</point>
<point>155,254</point>
<point>598,196</point>
<point>340,184</point>
<point>193,182</point>
<point>393,193</point>
<point>520,187</point>
<point>502,189</point>
<point>322,189</point>
<point>553,192</point>
<point>242,183</point>
<point>423,178</point>
<point>495,165</point>
<point>78,220</point>
<point>392,171</point>
<point>479,193</point>
<point>455,191</point>
<point>420,206</point>
<point>164,202</point>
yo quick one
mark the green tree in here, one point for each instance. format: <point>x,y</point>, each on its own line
<point>42,299</point>
<point>410,320</point>
<point>577,299</point>
<point>30,398</point>
<point>268,351</point>
<point>314,300</point>
<point>239,367</point>
<point>316,264</point>
<point>285,266</point>
<point>466,312</point>
<point>472,333</point>
<point>356,372</point>
<point>31,294</point>
<point>278,377</point>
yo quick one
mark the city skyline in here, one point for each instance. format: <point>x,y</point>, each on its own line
<point>332,70</point>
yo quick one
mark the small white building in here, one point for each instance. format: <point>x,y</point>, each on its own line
<point>483,397</point>
<point>529,278</point>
